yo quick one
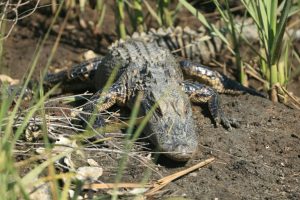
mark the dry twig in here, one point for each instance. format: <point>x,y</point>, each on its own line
<point>295,100</point>
<point>166,180</point>
<point>155,187</point>
<point>8,8</point>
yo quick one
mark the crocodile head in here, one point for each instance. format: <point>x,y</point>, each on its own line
<point>171,127</point>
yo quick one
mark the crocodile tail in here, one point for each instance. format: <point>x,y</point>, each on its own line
<point>232,86</point>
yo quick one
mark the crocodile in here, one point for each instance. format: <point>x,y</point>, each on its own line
<point>193,44</point>
<point>146,63</point>
<point>196,45</point>
<point>144,68</point>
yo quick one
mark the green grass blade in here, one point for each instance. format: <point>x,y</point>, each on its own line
<point>139,17</point>
<point>164,12</point>
<point>101,8</point>
<point>120,16</point>
<point>129,142</point>
<point>276,48</point>
<point>31,176</point>
<point>2,35</point>
<point>30,114</point>
<point>195,12</point>
<point>272,10</point>
<point>153,13</point>
<point>213,30</point>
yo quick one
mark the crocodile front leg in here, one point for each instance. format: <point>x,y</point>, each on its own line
<point>219,82</point>
<point>101,101</point>
<point>83,71</point>
<point>200,93</point>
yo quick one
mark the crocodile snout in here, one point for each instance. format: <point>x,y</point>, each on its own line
<point>179,144</point>
<point>183,152</point>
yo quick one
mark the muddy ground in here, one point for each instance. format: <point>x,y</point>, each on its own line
<point>259,160</point>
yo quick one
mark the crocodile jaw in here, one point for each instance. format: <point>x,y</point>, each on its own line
<point>172,129</point>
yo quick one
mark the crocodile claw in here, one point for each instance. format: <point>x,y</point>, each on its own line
<point>227,123</point>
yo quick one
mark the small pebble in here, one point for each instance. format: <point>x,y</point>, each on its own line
<point>89,173</point>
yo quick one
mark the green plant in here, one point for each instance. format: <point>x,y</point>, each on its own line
<point>138,18</point>
<point>271,21</point>
<point>13,186</point>
<point>270,18</point>
<point>235,35</point>
<point>134,9</point>
<point>211,27</point>
<point>2,34</point>
<point>101,9</point>
<point>120,19</point>
<point>164,13</point>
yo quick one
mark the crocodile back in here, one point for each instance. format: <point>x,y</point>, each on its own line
<point>153,71</point>
<point>136,60</point>
<point>192,44</point>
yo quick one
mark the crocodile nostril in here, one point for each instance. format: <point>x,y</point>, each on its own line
<point>182,149</point>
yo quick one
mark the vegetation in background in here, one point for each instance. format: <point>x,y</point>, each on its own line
<point>235,35</point>
<point>271,28</point>
<point>210,27</point>
<point>135,11</point>
<point>164,13</point>
<point>137,19</point>
<point>13,186</point>
<point>2,33</point>
<point>270,18</point>
<point>101,10</point>
<point>120,19</point>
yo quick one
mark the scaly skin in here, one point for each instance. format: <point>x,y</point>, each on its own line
<point>185,42</point>
<point>214,79</point>
<point>144,67</point>
<point>153,71</point>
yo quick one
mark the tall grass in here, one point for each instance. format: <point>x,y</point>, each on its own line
<point>164,13</point>
<point>138,19</point>
<point>120,18</point>
<point>270,18</point>
<point>136,12</point>
<point>2,33</point>
<point>228,18</point>
<point>211,27</point>
<point>101,9</point>
<point>271,22</point>
<point>13,186</point>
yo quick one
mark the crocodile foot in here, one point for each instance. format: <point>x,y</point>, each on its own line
<point>200,93</point>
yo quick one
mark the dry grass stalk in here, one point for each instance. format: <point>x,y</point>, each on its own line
<point>155,187</point>
<point>10,7</point>
<point>158,185</point>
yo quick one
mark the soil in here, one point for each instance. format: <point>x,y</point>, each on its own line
<point>259,160</point>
